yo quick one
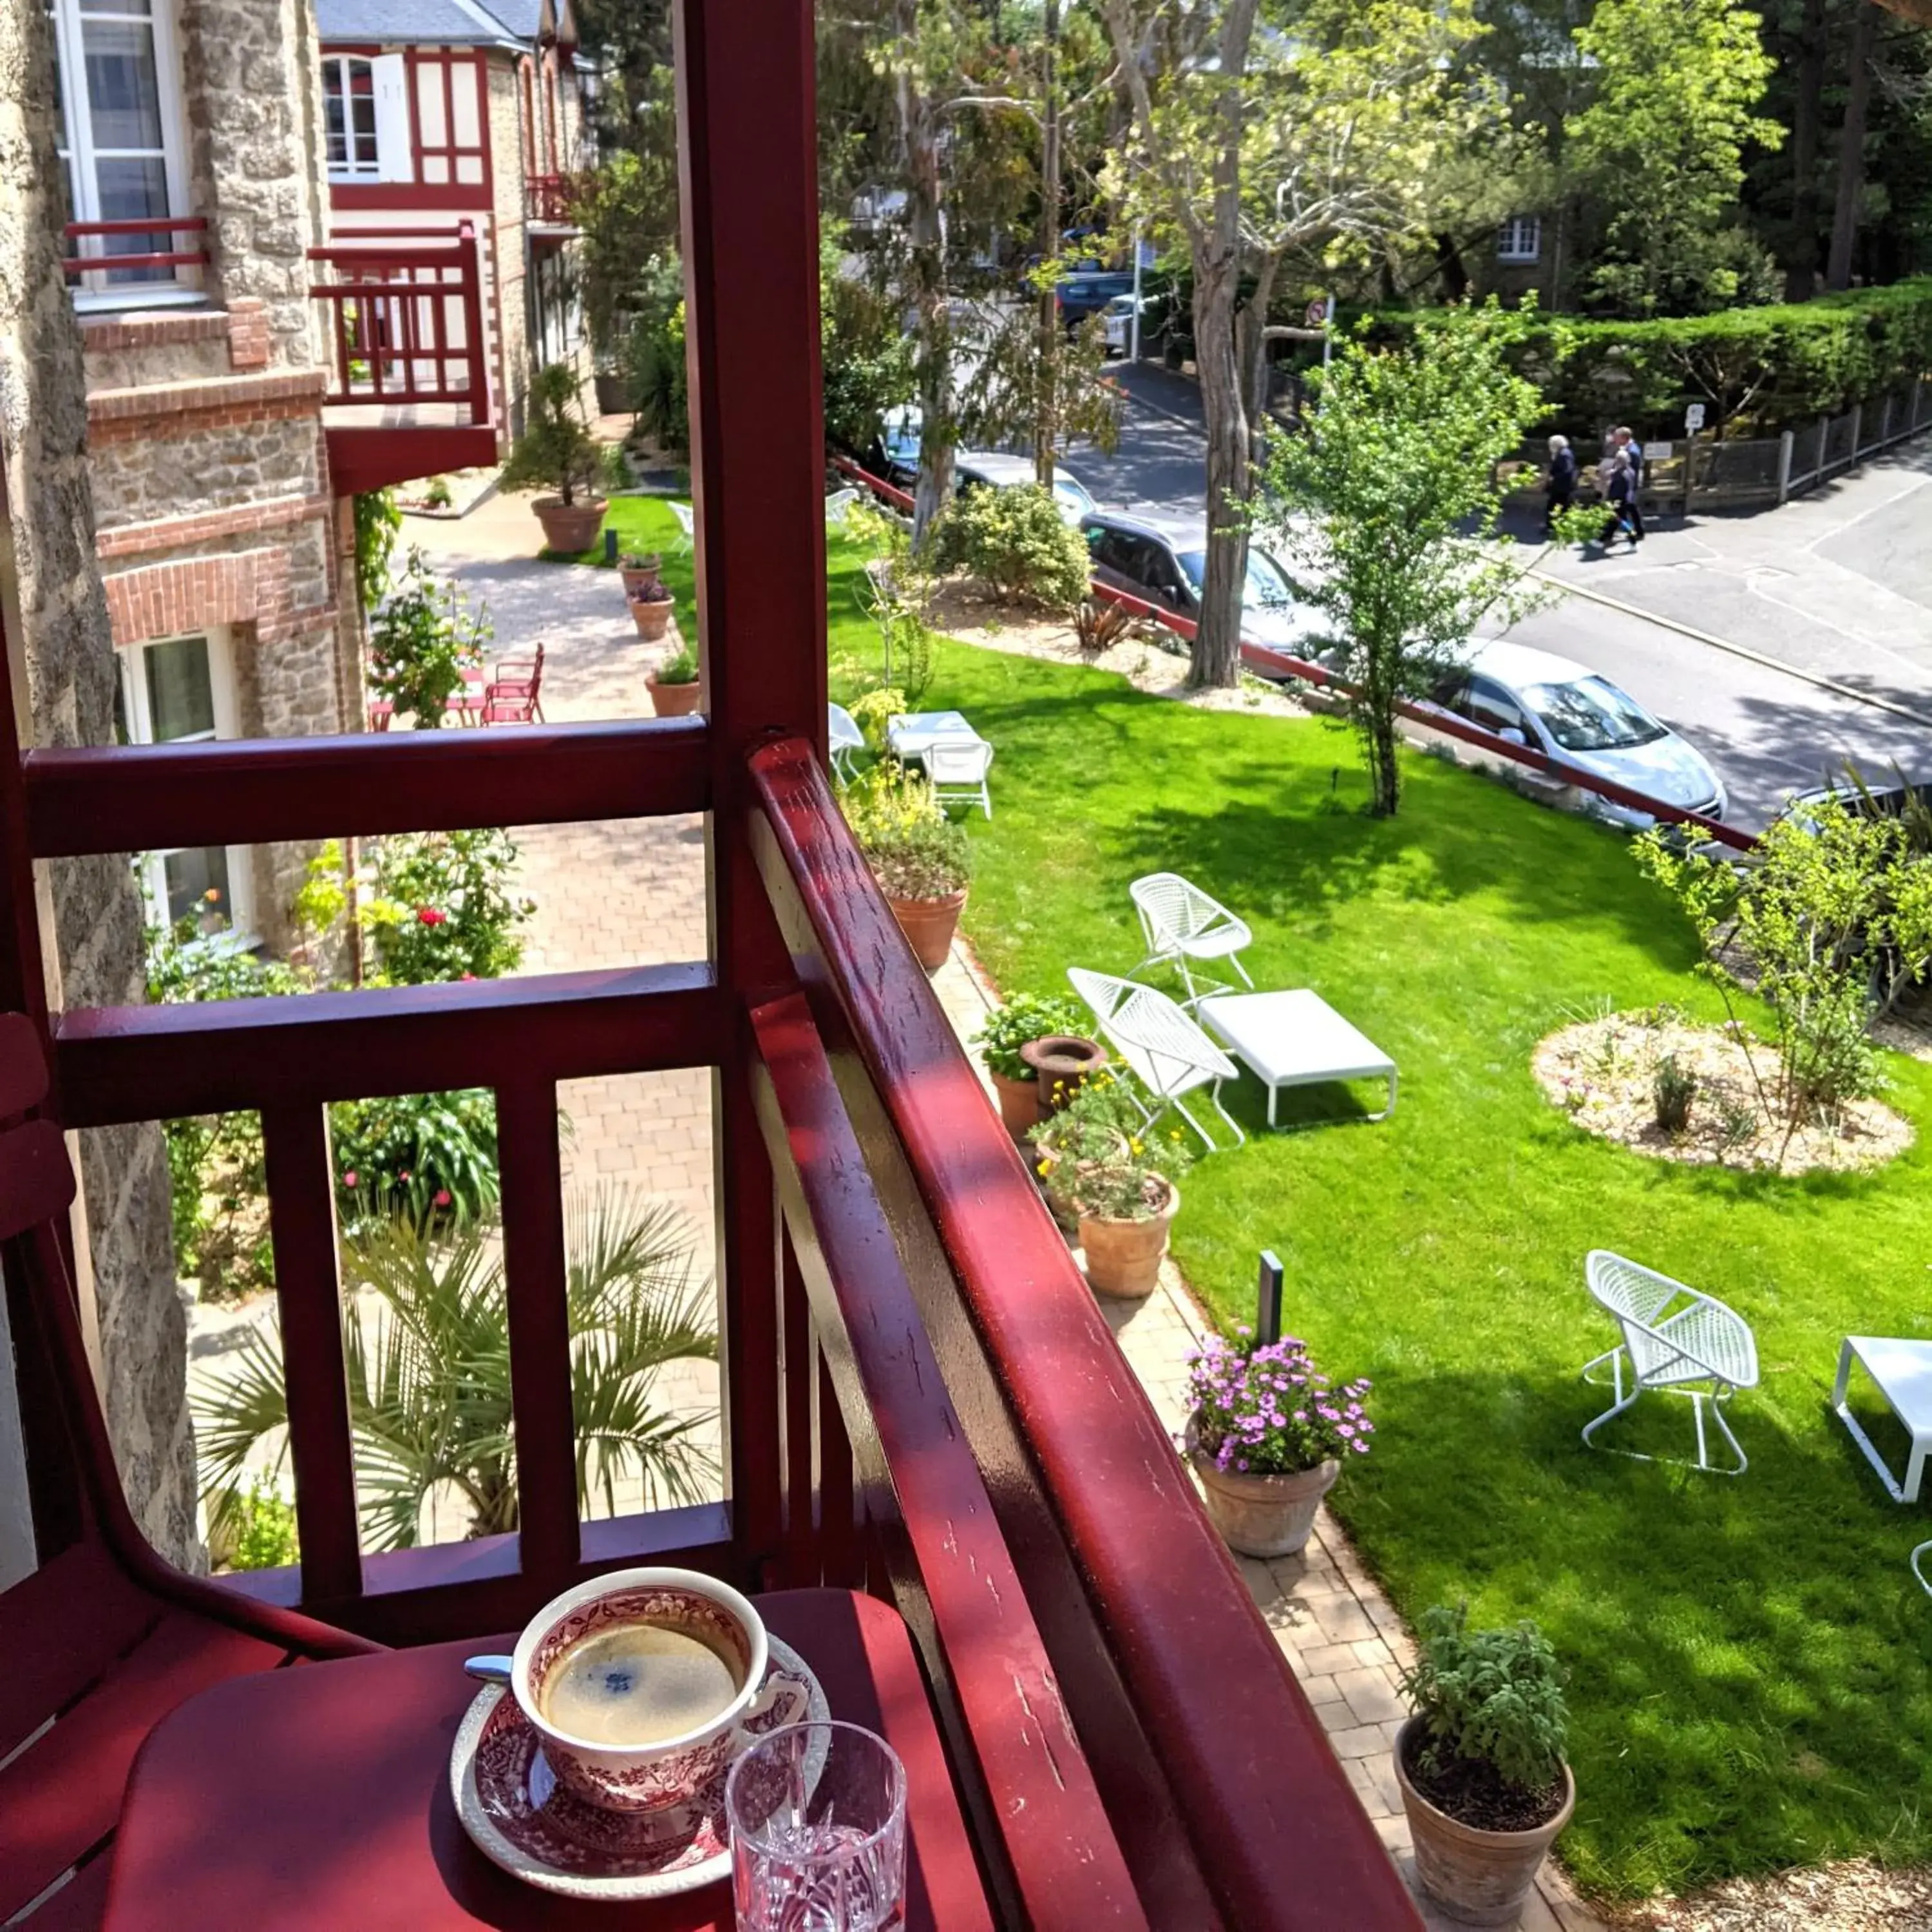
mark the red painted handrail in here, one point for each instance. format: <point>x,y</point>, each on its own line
<point>390,321</point>
<point>84,264</point>
<point>1268,659</point>
<point>1275,1827</point>
<point>551,198</point>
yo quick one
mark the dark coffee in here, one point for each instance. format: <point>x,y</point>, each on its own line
<point>636,1683</point>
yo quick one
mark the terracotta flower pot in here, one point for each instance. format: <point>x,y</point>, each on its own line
<point>652,617</point>
<point>1260,1515</point>
<point>641,575</point>
<point>569,528</point>
<point>1019,1104</point>
<point>674,701</point>
<point>1123,1257</point>
<point>929,925</point>
<point>1478,1877</point>
<point>1061,1061</point>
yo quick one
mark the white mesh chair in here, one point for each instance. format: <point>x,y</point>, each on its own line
<point>836,505</point>
<point>843,738</point>
<point>958,768</point>
<point>1182,923</point>
<point>1167,1051</point>
<point>1675,1339</point>
<point>687,525</point>
<point>1918,1567</point>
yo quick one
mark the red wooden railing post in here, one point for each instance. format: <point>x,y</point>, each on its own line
<point>748,166</point>
<point>472,285</point>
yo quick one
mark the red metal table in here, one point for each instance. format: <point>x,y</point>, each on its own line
<point>316,1798</point>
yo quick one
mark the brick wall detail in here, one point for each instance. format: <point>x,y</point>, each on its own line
<point>245,520</point>
<point>179,409</point>
<point>248,333</point>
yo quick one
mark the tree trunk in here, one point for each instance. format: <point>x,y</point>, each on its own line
<point>1800,253</point>
<point>1045,432</point>
<point>1216,249</point>
<point>1852,149</point>
<point>1251,344</point>
<point>926,233</point>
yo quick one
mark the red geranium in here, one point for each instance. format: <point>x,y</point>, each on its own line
<point>429,916</point>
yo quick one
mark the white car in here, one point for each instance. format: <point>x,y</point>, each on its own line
<point>1566,711</point>
<point>994,469</point>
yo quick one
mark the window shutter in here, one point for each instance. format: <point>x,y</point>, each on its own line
<point>394,161</point>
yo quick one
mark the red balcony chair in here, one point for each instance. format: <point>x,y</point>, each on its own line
<point>105,1638</point>
<point>515,695</point>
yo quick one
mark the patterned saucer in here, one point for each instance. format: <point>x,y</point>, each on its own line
<point>519,1817</point>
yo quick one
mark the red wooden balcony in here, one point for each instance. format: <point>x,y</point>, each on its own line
<point>922,1400</point>
<point>408,352</point>
<point>551,200</point>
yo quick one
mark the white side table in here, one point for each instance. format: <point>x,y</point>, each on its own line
<point>1902,1372</point>
<point>1296,1039</point>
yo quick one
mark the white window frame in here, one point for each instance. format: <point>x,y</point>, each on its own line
<point>227,724</point>
<point>1519,239</point>
<point>337,67</point>
<point>93,291</point>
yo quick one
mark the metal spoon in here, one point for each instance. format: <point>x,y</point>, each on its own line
<point>488,1670</point>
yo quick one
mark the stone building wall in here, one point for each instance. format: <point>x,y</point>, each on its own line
<point>53,584</point>
<point>507,153</point>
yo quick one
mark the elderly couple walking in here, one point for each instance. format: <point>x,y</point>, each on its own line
<point>1619,476</point>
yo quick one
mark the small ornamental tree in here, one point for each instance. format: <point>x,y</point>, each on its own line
<point>557,451</point>
<point>423,638</point>
<point>1017,543</point>
<point>1382,507</point>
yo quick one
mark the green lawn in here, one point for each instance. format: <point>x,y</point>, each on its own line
<point>1749,1658</point>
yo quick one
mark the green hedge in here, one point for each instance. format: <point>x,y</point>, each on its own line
<point>1771,368</point>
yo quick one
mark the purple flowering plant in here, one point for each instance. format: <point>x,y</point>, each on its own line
<point>1265,1409</point>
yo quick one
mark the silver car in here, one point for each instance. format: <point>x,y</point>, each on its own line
<point>1566,711</point>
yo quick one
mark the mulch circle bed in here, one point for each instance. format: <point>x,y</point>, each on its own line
<point>1602,1072</point>
<point>1472,1793</point>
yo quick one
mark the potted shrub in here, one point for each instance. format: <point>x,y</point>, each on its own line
<point>1266,1432</point>
<point>639,568</point>
<point>1128,1202</point>
<point>1481,1764</point>
<point>1021,1022</point>
<point>921,860</point>
<point>651,607</point>
<point>557,451</point>
<point>1097,1124</point>
<point>674,686</point>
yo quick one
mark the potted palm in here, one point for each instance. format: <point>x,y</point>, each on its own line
<point>674,686</point>
<point>1003,1040</point>
<point>1267,1433</point>
<point>1481,1764</point>
<point>921,860</point>
<point>1127,1205</point>
<point>557,451</point>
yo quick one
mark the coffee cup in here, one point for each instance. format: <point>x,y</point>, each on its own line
<point>640,1684</point>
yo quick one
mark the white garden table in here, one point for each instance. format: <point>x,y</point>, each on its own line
<point>1296,1039</point>
<point>1902,1372</point>
<point>910,735</point>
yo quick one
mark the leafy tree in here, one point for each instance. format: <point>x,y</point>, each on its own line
<point>628,211</point>
<point>655,368</point>
<point>1382,506</point>
<point>429,1371</point>
<point>1314,134</point>
<point>1661,144</point>
<point>866,354</point>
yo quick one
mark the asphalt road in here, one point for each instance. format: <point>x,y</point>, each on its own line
<point>1839,584</point>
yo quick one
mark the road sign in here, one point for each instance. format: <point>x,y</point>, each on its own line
<point>1693,418</point>
<point>1317,312</point>
<point>1659,452</point>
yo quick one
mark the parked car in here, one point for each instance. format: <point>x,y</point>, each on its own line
<point>995,469</point>
<point>1166,562</point>
<point>1088,292</point>
<point>1566,711</point>
<point>1118,319</point>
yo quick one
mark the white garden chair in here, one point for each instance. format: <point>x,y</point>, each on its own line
<point>836,505</point>
<point>957,768</point>
<point>687,525</point>
<point>1675,1339</point>
<point>1166,1049</point>
<point>1182,923</point>
<point>1918,1567</point>
<point>843,738</point>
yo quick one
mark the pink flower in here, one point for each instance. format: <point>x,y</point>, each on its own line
<point>349,1179</point>
<point>443,1197</point>
<point>429,916</point>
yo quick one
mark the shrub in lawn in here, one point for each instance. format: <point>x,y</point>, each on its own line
<point>1672,1090</point>
<point>1099,626</point>
<point>1016,542</point>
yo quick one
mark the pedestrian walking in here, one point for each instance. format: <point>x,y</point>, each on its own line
<point>1562,483</point>
<point>1626,441</point>
<point>1618,490</point>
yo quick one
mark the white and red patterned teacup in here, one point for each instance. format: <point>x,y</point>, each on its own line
<point>671,1770</point>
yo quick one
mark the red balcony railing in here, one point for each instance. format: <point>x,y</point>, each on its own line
<point>85,260</point>
<point>551,199</point>
<point>409,354</point>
